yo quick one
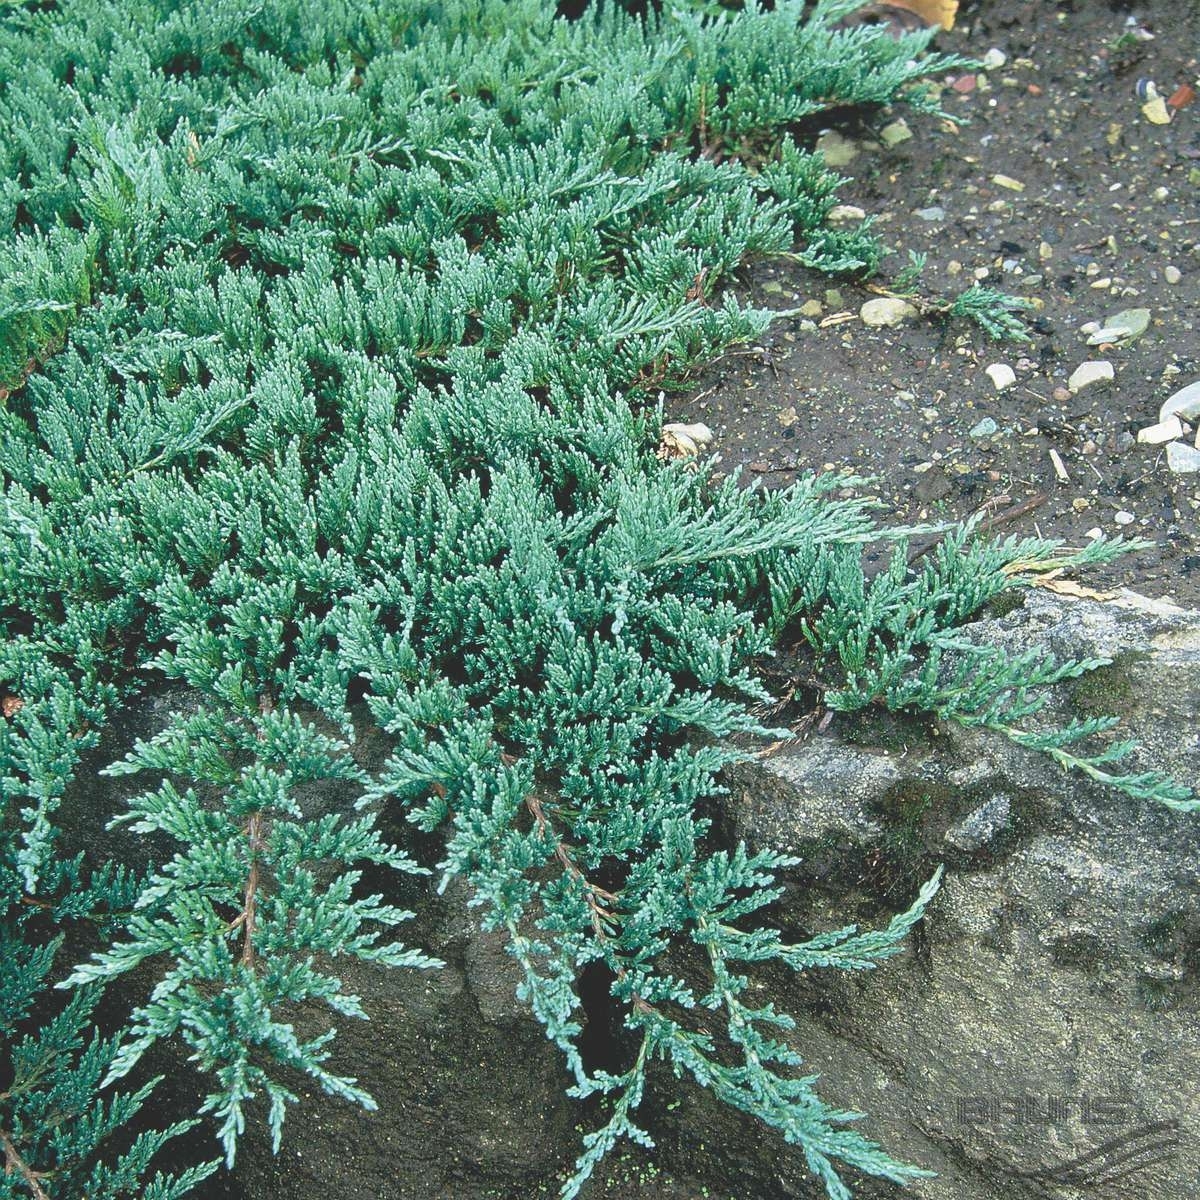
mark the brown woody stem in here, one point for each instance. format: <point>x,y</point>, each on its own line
<point>14,1162</point>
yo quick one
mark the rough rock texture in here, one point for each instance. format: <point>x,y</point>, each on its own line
<point>1040,1033</point>
<point>1050,1007</point>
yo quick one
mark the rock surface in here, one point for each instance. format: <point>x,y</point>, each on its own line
<point>1050,1007</point>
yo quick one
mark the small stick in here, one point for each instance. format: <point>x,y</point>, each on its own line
<point>1002,518</point>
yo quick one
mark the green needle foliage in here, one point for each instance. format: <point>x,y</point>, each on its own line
<point>59,1135</point>
<point>329,336</point>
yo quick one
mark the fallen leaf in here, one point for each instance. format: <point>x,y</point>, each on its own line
<point>10,706</point>
<point>1068,587</point>
<point>928,12</point>
<point>932,12</point>
<point>1155,111</point>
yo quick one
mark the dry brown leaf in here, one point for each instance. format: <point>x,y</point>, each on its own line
<point>10,706</point>
<point>1068,587</point>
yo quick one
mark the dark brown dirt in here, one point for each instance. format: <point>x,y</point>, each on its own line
<point>1108,202</point>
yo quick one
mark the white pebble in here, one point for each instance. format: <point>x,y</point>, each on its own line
<point>1184,403</point>
<point>1090,373</point>
<point>1164,431</point>
<point>1001,375</point>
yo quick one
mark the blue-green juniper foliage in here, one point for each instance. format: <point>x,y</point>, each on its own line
<point>330,336</point>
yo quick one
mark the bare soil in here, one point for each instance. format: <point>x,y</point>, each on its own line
<point>1107,203</point>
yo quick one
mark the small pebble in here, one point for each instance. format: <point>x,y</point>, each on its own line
<point>886,311</point>
<point>1108,335</point>
<point>994,59</point>
<point>1184,403</point>
<point>1001,375</point>
<point>895,133</point>
<point>1124,518</point>
<point>1089,374</point>
<point>1156,112</point>
<point>836,149</point>
<point>934,213</point>
<point>1182,458</point>
<point>1007,181</point>
<point>1172,274</point>
<point>1164,431</point>
<point>841,213</point>
<point>1135,320</point>
<point>985,428</point>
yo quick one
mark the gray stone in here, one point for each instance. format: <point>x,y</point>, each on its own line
<point>933,213</point>
<point>1059,959</point>
<point>1184,404</point>
<point>985,428</point>
<point>982,825</point>
<point>1182,458</point>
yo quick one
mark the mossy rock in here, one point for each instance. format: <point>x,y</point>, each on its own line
<point>1108,690</point>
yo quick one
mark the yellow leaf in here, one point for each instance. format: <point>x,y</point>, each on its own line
<point>932,12</point>
<point>1068,587</point>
